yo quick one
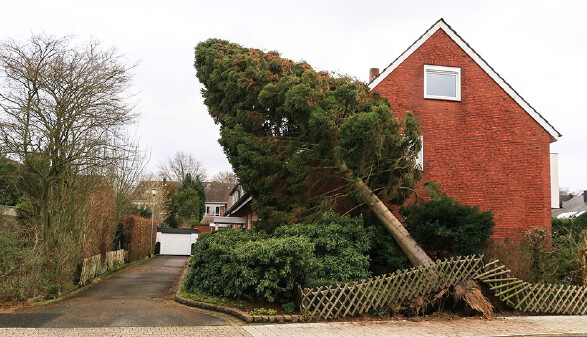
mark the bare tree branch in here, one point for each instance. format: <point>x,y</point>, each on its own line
<point>178,166</point>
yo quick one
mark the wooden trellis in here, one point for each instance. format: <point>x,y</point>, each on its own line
<point>389,291</point>
<point>534,297</point>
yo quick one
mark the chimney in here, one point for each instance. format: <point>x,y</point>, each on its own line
<point>164,180</point>
<point>374,72</point>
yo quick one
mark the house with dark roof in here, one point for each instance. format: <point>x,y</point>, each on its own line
<point>240,213</point>
<point>484,143</point>
<point>217,196</point>
<point>572,208</point>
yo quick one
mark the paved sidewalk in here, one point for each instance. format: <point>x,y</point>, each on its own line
<point>509,326</point>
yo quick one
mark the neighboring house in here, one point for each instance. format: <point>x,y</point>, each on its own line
<point>217,197</point>
<point>142,195</point>
<point>240,212</point>
<point>482,141</point>
<point>572,208</point>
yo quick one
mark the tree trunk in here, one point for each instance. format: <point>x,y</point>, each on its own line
<point>408,245</point>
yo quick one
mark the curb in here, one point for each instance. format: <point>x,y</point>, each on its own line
<point>232,311</point>
<point>240,314</point>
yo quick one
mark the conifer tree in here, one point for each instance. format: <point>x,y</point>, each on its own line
<point>303,141</point>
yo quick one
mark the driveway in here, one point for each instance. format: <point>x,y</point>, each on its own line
<point>136,296</point>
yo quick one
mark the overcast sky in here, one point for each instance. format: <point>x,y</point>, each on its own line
<point>538,47</point>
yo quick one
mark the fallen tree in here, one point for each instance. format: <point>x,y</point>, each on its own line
<point>303,141</point>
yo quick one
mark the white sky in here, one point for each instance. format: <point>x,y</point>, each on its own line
<point>538,47</point>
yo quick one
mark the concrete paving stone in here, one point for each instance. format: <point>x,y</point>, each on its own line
<point>466,327</point>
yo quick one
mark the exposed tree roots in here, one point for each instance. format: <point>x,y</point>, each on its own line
<point>470,292</point>
<point>466,298</point>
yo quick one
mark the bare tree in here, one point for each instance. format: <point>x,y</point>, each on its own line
<point>124,175</point>
<point>64,108</point>
<point>67,102</point>
<point>225,177</point>
<point>178,166</point>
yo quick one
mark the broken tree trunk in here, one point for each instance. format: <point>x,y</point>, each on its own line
<point>409,246</point>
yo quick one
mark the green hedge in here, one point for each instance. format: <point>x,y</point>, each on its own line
<point>444,227</point>
<point>341,246</point>
<point>247,264</point>
<point>244,264</point>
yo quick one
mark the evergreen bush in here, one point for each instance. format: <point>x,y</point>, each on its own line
<point>245,264</point>
<point>444,227</point>
<point>341,244</point>
<point>248,264</point>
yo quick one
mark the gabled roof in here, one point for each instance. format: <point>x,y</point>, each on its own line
<point>217,192</point>
<point>441,24</point>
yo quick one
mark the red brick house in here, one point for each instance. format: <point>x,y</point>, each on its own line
<point>481,140</point>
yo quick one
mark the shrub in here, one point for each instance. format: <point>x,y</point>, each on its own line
<point>385,254</point>
<point>341,244</point>
<point>445,227</point>
<point>514,255</point>
<point>248,264</point>
<point>21,270</point>
<point>269,269</point>
<point>136,230</point>
<point>245,264</point>
<point>561,258</point>
<point>8,191</point>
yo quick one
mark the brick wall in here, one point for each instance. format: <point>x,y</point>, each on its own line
<point>485,150</point>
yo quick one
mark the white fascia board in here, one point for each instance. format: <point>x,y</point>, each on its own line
<point>494,75</point>
<point>242,204</point>
<point>229,220</point>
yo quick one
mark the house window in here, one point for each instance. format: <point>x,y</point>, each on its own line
<point>212,210</point>
<point>442,83</point>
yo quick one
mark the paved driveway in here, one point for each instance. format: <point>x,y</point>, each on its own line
<point>136,296</point>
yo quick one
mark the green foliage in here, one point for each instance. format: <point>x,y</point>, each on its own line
<point>8,178</point>
<point>248,264</point>
<point>245,264</point>
<point>188,206</point>
<point>445,227</point>
<point>289,307</point>
<point>143,211</point>
<point>340,246</point>
<point>170,206</point>
<point>20,263</point>
<point>263,311</point>
<point>385,254</point>
<point>191,200</point>
<point>287,129</point>
<point>561,258</point>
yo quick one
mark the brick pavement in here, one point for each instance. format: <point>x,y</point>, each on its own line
<point>509,326</point>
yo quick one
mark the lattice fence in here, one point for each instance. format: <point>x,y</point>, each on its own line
<point>389,291</point>
<point>534,297</point>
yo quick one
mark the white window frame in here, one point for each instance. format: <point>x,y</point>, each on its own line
<point>442,70</point>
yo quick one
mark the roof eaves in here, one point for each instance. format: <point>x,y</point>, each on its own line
<point>238,204</point>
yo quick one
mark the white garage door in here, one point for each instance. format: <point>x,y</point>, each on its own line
<point>175,244</point>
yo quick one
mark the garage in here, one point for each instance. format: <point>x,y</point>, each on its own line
<point>176,241</point>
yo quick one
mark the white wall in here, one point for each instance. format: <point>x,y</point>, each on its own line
<point>554,188</point>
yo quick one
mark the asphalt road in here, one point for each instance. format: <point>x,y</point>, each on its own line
<point>136,296</point>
